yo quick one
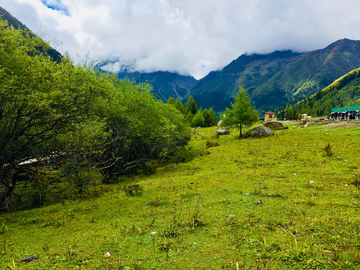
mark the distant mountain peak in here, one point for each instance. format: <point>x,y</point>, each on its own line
<point>278,78</point>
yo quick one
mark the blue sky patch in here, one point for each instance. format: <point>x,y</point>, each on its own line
<point>56,5</point>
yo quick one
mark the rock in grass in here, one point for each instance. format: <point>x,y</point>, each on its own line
<point>274,125</point>
<point>259,131</point>
<point>30,258</point>
<point>230,216</point>
<point>223,131</point>
<point>107,255</point>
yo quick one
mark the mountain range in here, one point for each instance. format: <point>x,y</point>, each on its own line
<point>164,84</point>
<point>276,79</point>
<point>272,80</point>
<point>344,92</point>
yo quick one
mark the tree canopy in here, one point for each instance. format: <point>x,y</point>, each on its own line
<point>195,116</point>
<point>64,118</point>
<point>241,115</point>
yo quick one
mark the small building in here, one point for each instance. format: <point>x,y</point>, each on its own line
<point>269,116</point>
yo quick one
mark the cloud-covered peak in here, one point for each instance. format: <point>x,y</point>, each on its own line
<point>189,36</point>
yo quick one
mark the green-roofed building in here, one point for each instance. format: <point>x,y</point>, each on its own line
<point>345,113</point>
<point>346,109</point>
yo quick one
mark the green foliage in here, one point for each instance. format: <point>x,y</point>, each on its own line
<point>213,120</point>
<point>210,118</point>
<point>150,167</point>
<point>133,189</point>
<point>289,112</point>
<point>73,119</point>
<point>194,116</point>
<point>47,110</point>
<point>356,181</point>
<point>344,92</point>
<point>241,115</point>
<point>192,106</point>
<point>198,120</point>
<point>328,150</point>
<point>141,129</point>
<point>211,144</point>
<point>185,154</point>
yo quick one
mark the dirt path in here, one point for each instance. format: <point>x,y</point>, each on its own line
<point>346,124</point>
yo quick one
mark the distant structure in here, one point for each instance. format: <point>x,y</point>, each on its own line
<point>345,113</point>
<point>269,116</point>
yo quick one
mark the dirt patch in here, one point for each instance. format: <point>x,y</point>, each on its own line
<point>352,125</point>
<point>289,122</point>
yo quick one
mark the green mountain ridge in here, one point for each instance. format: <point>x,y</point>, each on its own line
<point>12,21</point>
<point>272,80</point>
<point>164,84</point>
<point>343,92</point>
<point>276,79</point>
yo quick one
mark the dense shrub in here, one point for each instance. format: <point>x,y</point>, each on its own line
<point>57,116</point>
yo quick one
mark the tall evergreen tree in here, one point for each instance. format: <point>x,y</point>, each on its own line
<point>241,115</point>
<point>192,105</point>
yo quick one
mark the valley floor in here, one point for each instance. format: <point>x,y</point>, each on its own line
<point>290,201</point>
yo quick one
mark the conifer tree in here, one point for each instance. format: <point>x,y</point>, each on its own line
<point>241,115</point>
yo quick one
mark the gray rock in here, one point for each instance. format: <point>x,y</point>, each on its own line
<point>274,125</point>
<point>30,258</point>
<point>259,131</point>
<point>223,131</point>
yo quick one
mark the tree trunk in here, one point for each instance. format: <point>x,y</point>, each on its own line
<point>7,193</point>
<point>240,132</point>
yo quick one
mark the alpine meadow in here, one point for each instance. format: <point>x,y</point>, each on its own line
<point>127,170</point>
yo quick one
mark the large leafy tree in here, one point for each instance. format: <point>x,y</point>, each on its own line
<point>64,118</point>
<point>48,111</point>
<point>141,129</point>
<point>241,115</point>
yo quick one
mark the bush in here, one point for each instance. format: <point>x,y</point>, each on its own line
<point>328,151</point>
<point>150,168</point>
<point>211,144</point>
<point>184,155</point>
<point>34,193</point>
<point>133,189</point>
<point>356,182</point>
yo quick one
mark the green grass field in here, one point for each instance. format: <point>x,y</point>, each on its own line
<point>281,202</point>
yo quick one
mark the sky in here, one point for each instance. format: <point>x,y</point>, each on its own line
<point>190,37</point>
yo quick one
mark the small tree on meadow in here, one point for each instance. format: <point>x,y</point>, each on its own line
<point>241,115</point>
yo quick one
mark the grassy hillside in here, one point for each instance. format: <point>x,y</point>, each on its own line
<point>279,78</point>
<point>343,92</point>
<point>281,202</point>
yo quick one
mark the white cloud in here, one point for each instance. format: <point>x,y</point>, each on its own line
<point>188,36</point>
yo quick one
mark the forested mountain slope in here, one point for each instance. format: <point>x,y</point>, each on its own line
<point>164,84</point>
<point>276,79</point>
<point>54,54</point>
<point>343,92</point>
